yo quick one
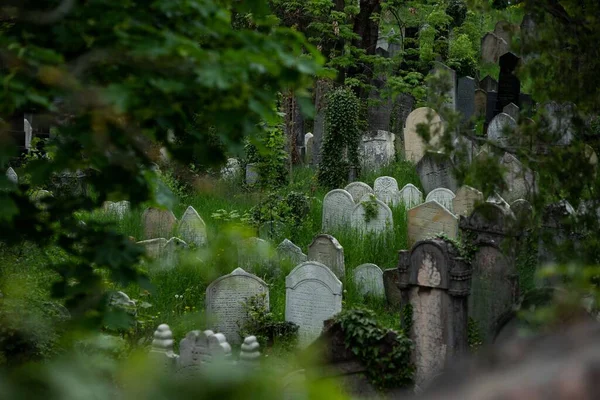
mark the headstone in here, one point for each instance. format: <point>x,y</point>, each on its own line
<point>199,348</point>
<point>437,282</point>
<point>429,219</point>
<point>465,200</point>
<point>480,103</point>
<point>253,253</point>
<point>328,251</point>
<point>519,180</point>
<point>272,230</point>
<point>250,352</point>
<point>377,149</point>
<point>393,294</point>
<point>502,130</point>
<point>498,200</point>
<point>410,196</point>
<point>435,171</point>
<point>386,189</point>
<point>313,295</point>
<point>379,223</point>
<point>403,106</point>
<point>162,347</point>
<point>309,148</point>
<point>38,197</point>
<point>488,84</point>
<point>289,251</point>
<point>558,118</point>
<point>379,111</point>
<point>158,223</point>
<point>337,208</point>
<point>414,146</point>
<point>192,228</point>
<point>523,212</point>
<point>357,190</point>
<point>118,209</point>
<point>252,174</point>
<point>512,110</point>
<point>225,298</point>
<point>505,30</point>
<point>558,237</point>
<point>465,99</point>
<point>509,85</point>
<point>170,252</point>
<point>368,279</point>
<point>12,176</point>
<point>153,247</point>
<point>450,74</point>
<point>492,47</point>
<point>232,170</point>
<point>443,196</point>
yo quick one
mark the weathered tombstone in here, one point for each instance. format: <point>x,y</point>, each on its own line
<point>465,200</point>
<point>492,47</point>
<point>488,84</point>
<point>158,223</point>
<point>509,85</point>
<point>170,252</point>
<point>441,69</point>
<point>494,288</point>
<point>199,348</point>
<point>251,174</point>
<point>410,196</point>
<point>523,212</point>
<point>512,110</point>
<point>153,247</point>
<point>328,251</point>
<point>337,208</point>
<point>357,190</point>
<point>480,102</point>
<point>12,176</point>
<point>393,294</point>
<point>558,237</point>
<point>313,295</point>
<point>368,279</point>
<point>437,282</point>
<point>225,298</point>
<point>38,197</point>
<point>558,119</point>
<point>272,230</point>
<point>378,223</point>
<point>386,189</point>
<point>519,180</point>
<point>377,149</point>
<point>119,208</point>
<point>289,251</point>
<point>403,106</point>
<point>435,171</point>
<point>505,30</point>
<point>253,252</point>
<point>162,348</point>
<point>28,133</point>
<point>192,228</point>
<point>250,354</point>
<point>443,196</point>
<point>414,146</point>
<point>501,130</point>
<point>465,98</point>
<point>232,170</point>
<point>309,148</point>
<point>430,219</point>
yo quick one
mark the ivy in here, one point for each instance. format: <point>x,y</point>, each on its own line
<point>268,152</point>
<point>473,335</point>
<point>370,207</point>
<point>406,318</point>
<point>466,249</point>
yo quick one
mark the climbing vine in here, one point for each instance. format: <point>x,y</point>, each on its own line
<point>370,207</point>
<point>406,319</point>
<point>341,139</point>
<point>465,247</point>
<point>473,335</point>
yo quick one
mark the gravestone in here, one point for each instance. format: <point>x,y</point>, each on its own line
<point>161,353</point>
<point>170,252</point>
<point>403,106</point>
<point>443,196</point>
<point>497,199</point>
<point>558,237</point>
<point>393,294</point>
<point>465,98</point>
<point>192,228</point>
<point>465,200</point>
<point>253,253</point>
<point>512,110</point>
<point>437,282</point>
<point>289,251</point>
<point>337,208</point>
<point>158,223</point>
<point>435,171</point>
<point>490,112</point>
<point>441,69</point>
<point>12,176</point>
<point>509,85</point>
<point>519,180</point>
<point>414,146</point>
<point>430,219</point>
<point>357,190</point>
<point>252,174</point>
<point>308,148</point>
<point>377,149</point>
<point>250,353</point>
<point>232,170</point>
<point>198,349</point>
<point>153,247</point>
<point>313,295</point>
<point>523,212</point>
<point>410,196</point>
<point>379,223</point>
<point>368,279</point>
<point>501,130</point>
<point>480,101</point>
<point>386,189</point>
<point>488,84</point>
<point>505,30</point>
<point>328,251</point>
<point>118,209</point>
<point>492,47</point>
<point>225,298</point>
<point>28,133</point>
<point>559,120</point>
<point>272,230</point>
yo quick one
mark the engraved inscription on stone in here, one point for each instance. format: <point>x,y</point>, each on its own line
<point>328,251</point>
<point>386,189</point>
<point>368,279</point>
<point>410,196</point>
<point>465,200</point>
<point>443,196</point>
<point>429,219</point>
<point>357,190</point>
<point>337,208</point>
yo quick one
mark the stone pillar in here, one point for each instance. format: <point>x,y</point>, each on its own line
<point>437,282</point>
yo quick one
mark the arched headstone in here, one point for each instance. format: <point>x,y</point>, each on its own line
<point>337,208</point>
<point>414,146</point>
<point>368,279</point>
<point>158,223</point>
<point>357,190</point>
<point>410,196</point>
<point>328,251</point>
<point>386,189</point>
<point>436,171</point>
<point>443,196</point>
<point>430,219</point>
<point>378,223</point>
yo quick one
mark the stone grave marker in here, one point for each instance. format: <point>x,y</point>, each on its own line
<point>480,102</point>
<point>465,200</point>
<point>377,224</point>
<point>414,146</point>
<point>38,195</point>
<point>520,181</point>
<point>200,348</point>
<point>328,251</point>
<point>443,196</point>
<point>513,110</point>
<point>410,196</point>
<point>170,252</point>
<point>403,106</point>
<point>158,223</point>
<point>393,294</point>
<point>377,149</point>
<point>225,298</point>
<point>153,247</point>
<point>523,212</point>
<point>161,353</point>
<point>502,130</point>
<point>430,219</point>
<point>192,228</point>
<point>465,98</point>
<point>435,171</point>
<point>490,112</point>
<point>488,84</point>
<point>558,233</point>
<point>386,189</point>
<point>505,30</point>
<point>440,68</point>
<point>337,208</point>
<point>313,295</point>
<point>119,208</point>
<point>12,176</point>
<point>558,118</point>
<point>357,190</point>
<point>289,251</point>
<point>368,279</point>
<point>252,174</point>
<point>272,230</point>
<point>492,47</point>
<point>254,252</point>
<point>309,148</point>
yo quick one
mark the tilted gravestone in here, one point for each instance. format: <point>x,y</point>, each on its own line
<point>443,196</point>
<point>377,149</point>
<point>494,288</point>
<point>465,200</point>
<point>386,189</point>
<point>435,171</point>
<point>520,181</point>
<point>289,251</point>
<point>380,222</point>
<point>225,298</point>
<point>12,176</point>
<point>480,102</point>
<point>337,209</point>
<point>313,295</point>
<point>501,130</point>
<point>192,228</point>
<point>393,294</point>
<point>328,251</point>
<point>158,223</point>
<point>410,196</point>
<point>118,209</point>
<point>357,190</point>
<point>465,98</point>
<point>492,47</point>
<point>414,146</point>
<point>429,219</point>
<point>199,348</point>
<point>368,279</point>
<point>513,110</point>
<point>437,282</point>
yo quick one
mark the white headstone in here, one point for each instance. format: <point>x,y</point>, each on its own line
<point>379,223</point>
<point>368,279</point>
<point>501,127</point>
<point>377,150</point>
<point>519,180</point>
<point>513,110</point>
<point>328,251</point>
<point>12,175</point>
<point>429,219</point>
<point>357,190</point>
<point>337,208</point>
<point>465,200</point>
<point>308,147</point>
<point>386,190</point>
<point>436,171</point>
<point>119,208</point>
<point>251,173</point>
<point>410,196</point>
<point>153,247</point>
<point>192,228</point>
<point>289,251</point>
<point>414,146</point>
<point>443,196</point>
<point>313,295</point>
<point>225,298</point>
